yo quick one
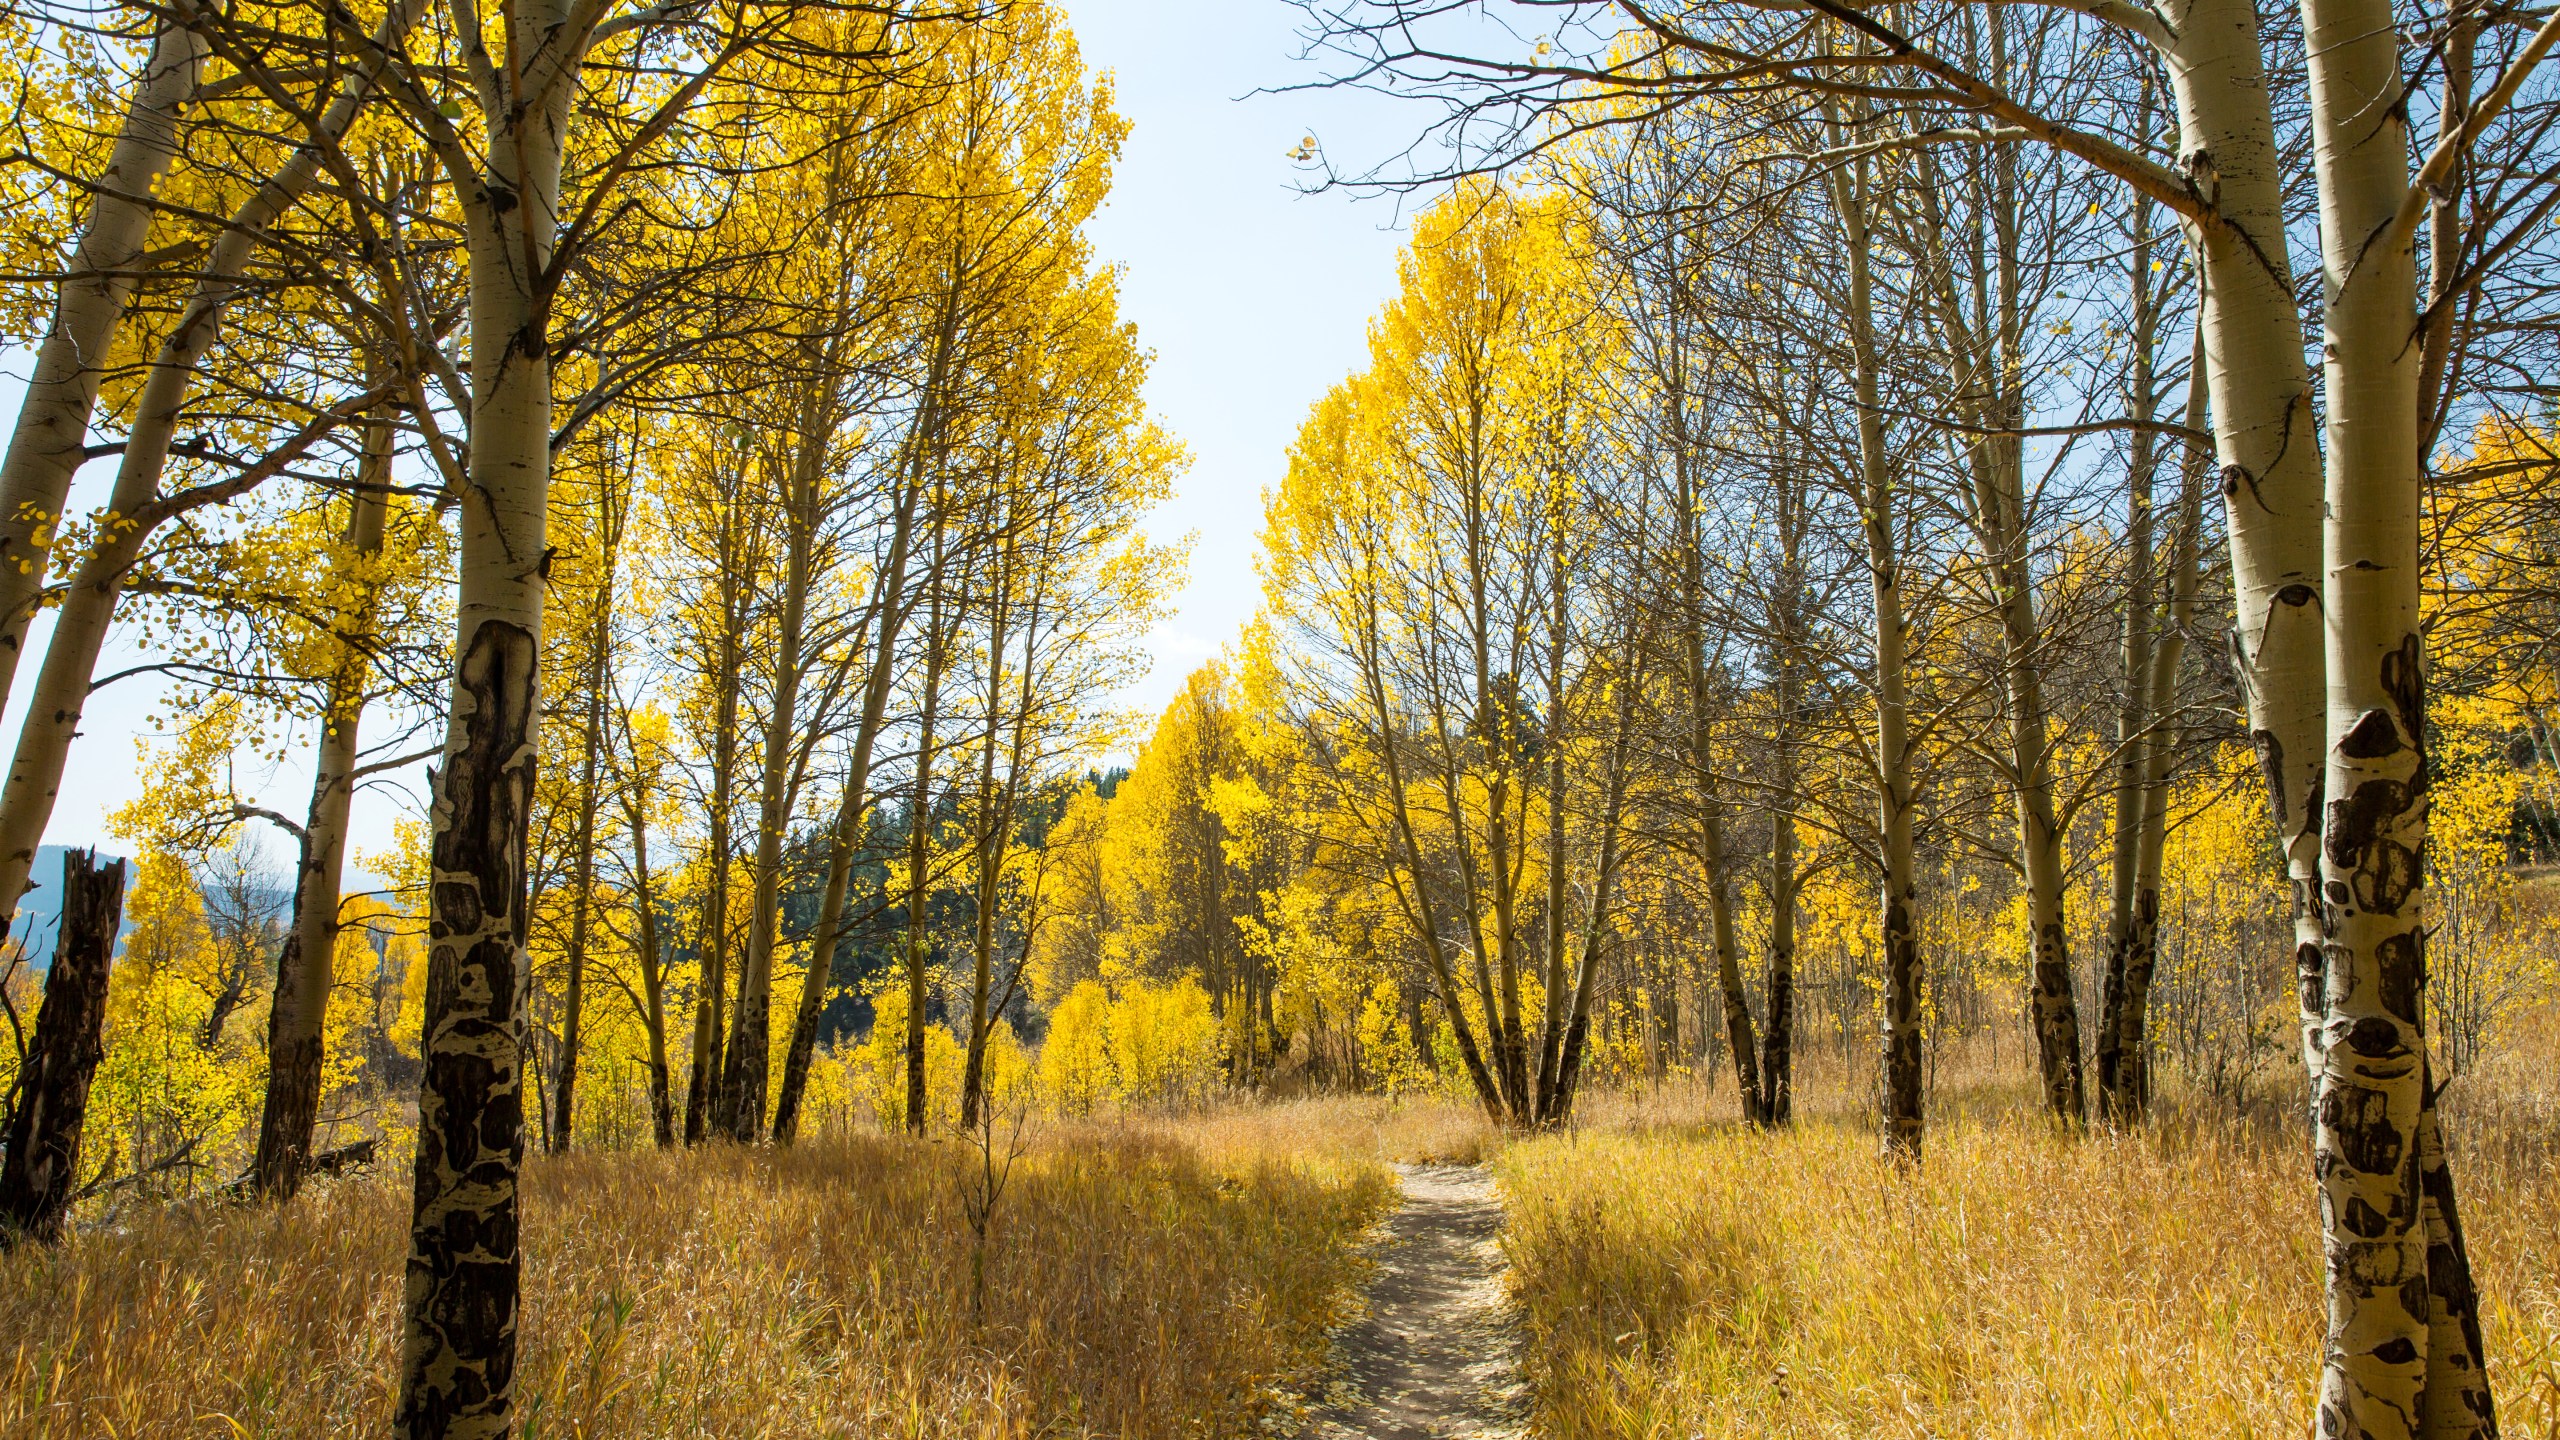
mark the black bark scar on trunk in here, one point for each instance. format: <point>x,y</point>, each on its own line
<point>2271,770</point>
<point>459,1351</point>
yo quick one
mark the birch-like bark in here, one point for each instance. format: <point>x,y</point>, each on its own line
<point>2263,438</point>
<point>458,1345</point>
<point>1988,351</point>
<point>52,432</point>
<point>42,1162</point>
<point>135,504</point>
<point>2131,1026</point>
<point>306,966</point>
<point>2384,1374</point>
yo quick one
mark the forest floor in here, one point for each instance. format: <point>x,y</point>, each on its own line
<point>1434,1356</point>
<point>1333,1267</point>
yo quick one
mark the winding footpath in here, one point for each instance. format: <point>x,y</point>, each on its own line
<point>1435,1356</point>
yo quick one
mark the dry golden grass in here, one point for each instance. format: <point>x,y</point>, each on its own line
<point>1356,1131</point>
<point>1135,1288</point>
<point>1706,1281</point>
<point>1678,1276</point>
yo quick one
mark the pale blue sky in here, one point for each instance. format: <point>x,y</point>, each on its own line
<point>1254,297</point>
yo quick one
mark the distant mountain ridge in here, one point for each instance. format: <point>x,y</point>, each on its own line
<point>40,910</point>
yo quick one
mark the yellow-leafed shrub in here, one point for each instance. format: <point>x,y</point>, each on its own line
<point>1135,1043</point>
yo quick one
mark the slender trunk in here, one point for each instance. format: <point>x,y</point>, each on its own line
<point>1418,910</point>
<point>297,1019</point>
<point>653,979</point>
<point>705,1109</point>
<point>1728,953</point>
<point>42,1164</point>
<point>1595,924</point>
<point>2403,1353</point>
<point>582,892</point>
<point>53,417</point>
<point>2139,708</point>
<point>2142,934</point>
<point>1777,1050</point>
<point>750,1050</point>
<point>135,504</point>
<point>750,1041</point>
<point>1777,1045</point>
<point>2269,456</point>
<point>992,824</point>
<point>1498,720</point>
<point>1709,801</point>
<point>1900,900</point>
<point>1502,1016</point>
<point>891,611</point>
<point>1551,1024</point>
<point>2444,238</point>
<point>920,835</point>
<point>2000,471</point>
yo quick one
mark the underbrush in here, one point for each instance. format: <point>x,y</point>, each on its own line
<point>1708,1281</point>
<point>1135,1287</point>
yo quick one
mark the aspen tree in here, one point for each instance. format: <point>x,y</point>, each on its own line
<point>1789,662</point>
<point>137,504</point>
<point>2395,1364</point>
<point>1429,597</point>
<point>634,789</point>
<point>2124,1089</point>
<point>306,966</point>
<point>51,436</point>
<point>921,820</point>
<point>605,537</point>
<point>1850,191</point>
<point>732,542</point>
<point>884,619</point>
<point>2140,946</point>
<point>458,1340</point>
<point>2334,624</point>
<point>803,466</point>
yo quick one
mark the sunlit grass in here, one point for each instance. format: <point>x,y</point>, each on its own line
<point>1135,1288</point>
<point>1707,1281</point>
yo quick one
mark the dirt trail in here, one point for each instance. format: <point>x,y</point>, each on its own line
<point>1435,1356</point>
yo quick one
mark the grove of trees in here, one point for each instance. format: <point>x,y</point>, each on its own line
<point>1840,550</point>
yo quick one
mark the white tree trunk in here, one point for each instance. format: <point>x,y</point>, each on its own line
<point>2263,434</point>
<point>2385,1371</point>
<point>458,1346</point>
<point>89,600</point>
<point>53,419</point>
